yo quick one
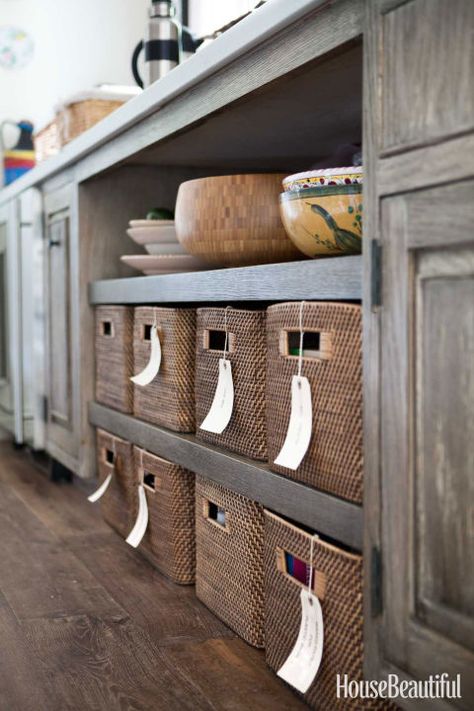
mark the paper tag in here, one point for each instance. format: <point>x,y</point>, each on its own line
<point>304,660</point>
<point>300,426</point>
<point>139,529</point>
<point>101,490</point>
<point>220,413</point>
<point>151,370</point>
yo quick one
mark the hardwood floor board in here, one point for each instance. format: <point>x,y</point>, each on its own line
<point>102,666</point>
<point>21,684</point>
<point>169,612</point>
<point>63,508</point>
<point>233,675</point>
<point>39,576</point>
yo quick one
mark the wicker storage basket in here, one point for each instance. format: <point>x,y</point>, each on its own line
<point>338,584</point>
<point>169,541</point>
<point>333,461</point>
<point>169,399</point>
<point>118,504</point>
<point>75,118</point>
<point>229,558</point>
<point>246,431</point>
<point>47,141</point>
<point>114,356</point>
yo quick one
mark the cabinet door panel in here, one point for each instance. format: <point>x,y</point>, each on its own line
<point>427,69</point>
<point>427,401</point>
<point>59,308</point>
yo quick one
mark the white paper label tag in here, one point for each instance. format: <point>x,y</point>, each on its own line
<point>151,370</point>
<point>220,413</point>
<point>101,490</point>
<point>304,660</point>
<point>139,529</point>
<point>300,427</point>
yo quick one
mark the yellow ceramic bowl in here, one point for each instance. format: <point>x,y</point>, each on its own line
<point>324,221</point>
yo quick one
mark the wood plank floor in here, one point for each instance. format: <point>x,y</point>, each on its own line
<point>86,622</point>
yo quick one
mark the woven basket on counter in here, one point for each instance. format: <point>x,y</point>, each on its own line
<point>246,431</point>
<point>47,141</point>
<point>169,541</point>
<point>77,117</point>
<point>118,504</point>
<point>229,558</point>
<point>114,356</point>
<point>337,582</point>
<point>333,461</point>
<point>169,399</point>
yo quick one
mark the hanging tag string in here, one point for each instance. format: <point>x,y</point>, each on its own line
<point>313,539</point>
<point>300,354</point>
<point>226,342</point>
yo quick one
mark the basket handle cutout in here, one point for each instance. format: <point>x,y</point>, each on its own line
<point>150,481</point>
<point>216,515</point>
<point>214,340</point>
<point>299,571</point>
<point>108,329</point>
<point>147,331</point>
<point>109,456</point>
<point>317,345</point>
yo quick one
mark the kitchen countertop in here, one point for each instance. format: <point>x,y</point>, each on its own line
<point>234,43</point>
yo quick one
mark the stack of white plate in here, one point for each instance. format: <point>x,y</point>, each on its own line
<point>165,254</point>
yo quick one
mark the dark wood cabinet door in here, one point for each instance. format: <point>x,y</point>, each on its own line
<point>427,433</point>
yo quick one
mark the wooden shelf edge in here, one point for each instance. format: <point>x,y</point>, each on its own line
<point>326,279</point>
<point>330,516</point>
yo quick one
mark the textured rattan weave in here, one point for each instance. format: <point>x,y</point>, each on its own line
<point>73,119</point>
<point>114,356</point>
<point>169,541</point>
<point>118,504</point>
<point>246,431</point>
<point>229,560</point>
<point>341,606</point>
<point>169,399</point>
<point>333,461</point>
<point>47,141</point>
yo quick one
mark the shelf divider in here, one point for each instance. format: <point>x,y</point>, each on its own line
<point>335,278</point>
<point>329,515</point>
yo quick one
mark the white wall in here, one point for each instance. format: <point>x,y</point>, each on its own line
<point>78,43</point>
<point>205,16</point>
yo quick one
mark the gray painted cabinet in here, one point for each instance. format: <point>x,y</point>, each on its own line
<point>420,411</point>
<point>61,354</point>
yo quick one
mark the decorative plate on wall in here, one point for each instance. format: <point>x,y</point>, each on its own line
<point>16,47</point>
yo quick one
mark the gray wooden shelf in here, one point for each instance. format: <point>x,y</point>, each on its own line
<point>325,279</point>
<point>326,514</point>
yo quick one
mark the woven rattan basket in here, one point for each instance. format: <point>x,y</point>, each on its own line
<point>118,504</point>
<point>246,431</point>
<point>229,558</point>
<point>114,356</point>
<point>47,141</point>
<point>75,118</point>
<point>169,541</point>
<point>337,582</point>
<point>169,399</point>
<point>333,461</point>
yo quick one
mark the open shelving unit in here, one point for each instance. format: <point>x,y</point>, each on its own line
<point>339,278</point>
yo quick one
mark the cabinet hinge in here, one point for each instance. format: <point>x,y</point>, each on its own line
<point>376,591</point>
<point>375,273</point>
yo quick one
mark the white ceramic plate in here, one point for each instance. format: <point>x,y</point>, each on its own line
<point>150,223</point>
<point>163,264</point>
<point>168,248</point>
<point>158,233</point>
